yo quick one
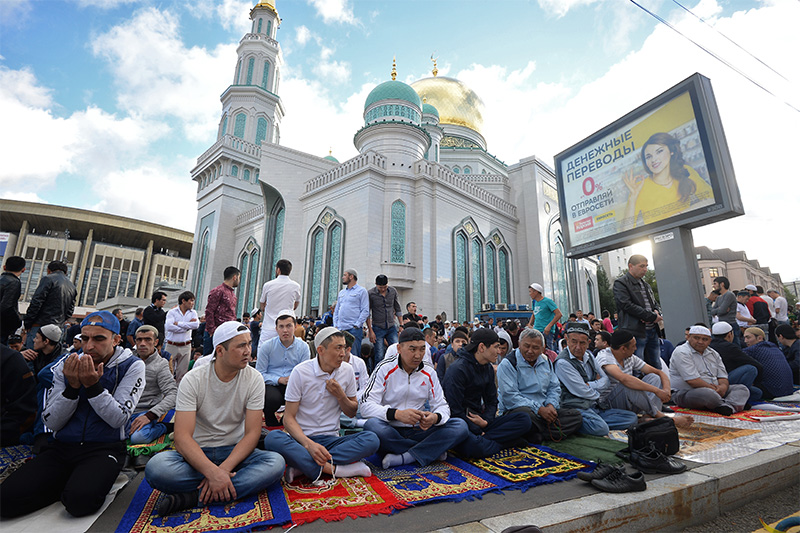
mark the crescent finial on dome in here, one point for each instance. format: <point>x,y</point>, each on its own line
<point>394,68</point>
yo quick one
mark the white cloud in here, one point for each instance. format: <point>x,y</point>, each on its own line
<point>105,4</point>
<point>24,197</point>
<point>559,8</point>
<point>334,11</point>
<point>158,77</point>
<point>302,35</point>
<point>14,12</point>
<point>332,70</point>
<point>235,15</point>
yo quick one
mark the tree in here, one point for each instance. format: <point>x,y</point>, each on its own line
<point>650,279</point>
<point>606,293</point>
<point>788,294</point>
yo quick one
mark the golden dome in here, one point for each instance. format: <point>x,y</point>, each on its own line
<point>457,104</point>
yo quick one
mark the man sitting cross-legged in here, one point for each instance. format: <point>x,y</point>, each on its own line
<point>319,390</point>
<point>88,407</point>
<point>277,357</point>
<point>217,428</point>
<point>528,384</point>
<point>159,393</point>
<point>626,391</point>
<point>394,405</point>
<point>471,391</point>
<point>699,379</point>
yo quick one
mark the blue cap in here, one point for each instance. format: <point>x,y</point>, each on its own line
<point>104,319</point>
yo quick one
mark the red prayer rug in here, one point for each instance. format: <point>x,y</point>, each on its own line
<point>748,416</point>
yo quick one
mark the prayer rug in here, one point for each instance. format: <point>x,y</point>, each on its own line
<point>262,510</point>
<point>591,448</point>
<point>702,436</point>
<point>151,448</point>
<point>353,496</point>
<point>751,415</point>
<point>532,466</point>
<point>12,457</point>
<point>452,480</point>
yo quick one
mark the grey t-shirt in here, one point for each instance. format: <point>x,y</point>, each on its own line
<point>725,307</point>
<point>220,407</point>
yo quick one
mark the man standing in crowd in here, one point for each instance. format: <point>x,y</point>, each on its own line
<point>136,323</point>
<point>638,310</point>
<point>411,313</point>
<point>217,428</point>
<point>10,291</point>
<point>154,315</point>
<point>123,328</point>
<point>394,404</point>
<point>92,399</point>
<point>257,317</point>
<point>318,392</point>
<point>759,309</point>
<point>545,314</point>
<point>528,384</point>
<point>725,306</point>
<point>220,306</point>
<point>52,303</point>
<point>180,323</point>
<point>352,308</point>
<point>384,306</point>
<point>470,389</point>
<point>781,307</point>
<point>278,294</point>
<point>698,377</point>
<point>277,357</point>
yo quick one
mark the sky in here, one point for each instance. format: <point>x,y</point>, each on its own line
<point>107,104</point>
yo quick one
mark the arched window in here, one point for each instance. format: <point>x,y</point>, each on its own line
<point>505,295</point>
<point>261,130</point>
<point>277,246</point>
<point>316,273</point>
<point>238,127</point>
<point>461,277</point>
<point>260,20</point>
<point>202,261</point>
<point>491,287</point>
<point>246,174</point>
<point>558,268</point>
<point>456,170</point>
<point>590,292</point>
<point>324,262</point>
<point>244,268</point>
<point>476,252</point>
<point>224,129</point>
<point>238,72</point>
<point>269,28</point>
<point>251,63</point>
<point>335,255</point>
<point>398,238</point>
<point>467,170</point>
<point>265,76</point>
<point>234,171</point>
<point>252,281</point>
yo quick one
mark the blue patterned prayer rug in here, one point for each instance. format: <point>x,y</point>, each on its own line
<point>265,509</point>
<point>12,457</point>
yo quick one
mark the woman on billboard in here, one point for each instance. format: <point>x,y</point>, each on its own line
<point>673,186</point>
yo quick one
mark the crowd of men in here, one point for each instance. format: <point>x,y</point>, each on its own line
<point>364,378</point>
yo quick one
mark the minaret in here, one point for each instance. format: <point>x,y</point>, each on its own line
<point>227,174</point>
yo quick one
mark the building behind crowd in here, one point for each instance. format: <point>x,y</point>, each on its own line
<point>735,266</point>
<point>109,258</point>
<point>425,202</point>
<point>615,262</point>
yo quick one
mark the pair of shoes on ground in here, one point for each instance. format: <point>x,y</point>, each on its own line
<point>651,461</point>
<point>611,478</point>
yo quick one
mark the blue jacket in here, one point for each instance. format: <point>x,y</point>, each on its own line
<point>526,385</point>
<point>470,385</point>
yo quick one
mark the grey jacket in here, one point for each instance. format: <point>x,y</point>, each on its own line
<point>633,316</point>
<point>160,390</point>
<point>53,302</point>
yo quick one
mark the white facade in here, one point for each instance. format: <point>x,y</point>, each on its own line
<point>423,203</point>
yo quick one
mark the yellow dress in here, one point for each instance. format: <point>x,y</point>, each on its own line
<point>656,202</point>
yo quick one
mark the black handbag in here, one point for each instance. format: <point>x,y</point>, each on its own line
<point>661,432</point>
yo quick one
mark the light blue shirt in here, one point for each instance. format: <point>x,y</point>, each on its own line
<point>572,380</point>
<point>277,361</point>
<point>527,385</point>
<point>352,308</point>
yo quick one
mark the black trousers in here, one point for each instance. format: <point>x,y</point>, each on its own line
<point>80,475</point>
<point>274,397</point>
<point>569,422</point>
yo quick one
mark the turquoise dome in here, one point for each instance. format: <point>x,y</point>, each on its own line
<point>428,109</point>
<point>331,158</point>
<point>393,90</point>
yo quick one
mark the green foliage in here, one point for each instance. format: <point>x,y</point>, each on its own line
<point>606,293</point>
<point>788,294</point>
<point>650,279</point>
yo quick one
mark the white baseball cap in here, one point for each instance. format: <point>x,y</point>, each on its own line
<point>228,330</point>
<point>537,287</point>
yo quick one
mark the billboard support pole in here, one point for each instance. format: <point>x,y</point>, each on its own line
<point>678,276</point>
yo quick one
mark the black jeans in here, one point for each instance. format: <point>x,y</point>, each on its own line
<point>80,475</point>
<point>274,397</point>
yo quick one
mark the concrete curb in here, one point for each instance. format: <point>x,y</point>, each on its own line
<point>670,502</point>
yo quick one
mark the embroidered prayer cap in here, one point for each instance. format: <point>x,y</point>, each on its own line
<point>286,313</point>
<point>104,319</point>
<point>699,330</point>
<point>721,328</point>
<point>578,327</point>
<point>323,334</point>
<point>228,330</point>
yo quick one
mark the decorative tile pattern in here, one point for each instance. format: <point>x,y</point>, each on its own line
<point>335,239</point>
<point>398,241</point>
<point>461,277</point>
<point>476,250</point>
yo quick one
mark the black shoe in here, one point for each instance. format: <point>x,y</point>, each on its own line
<point>620,481</point>
<point>173,503</point>
<point>651,461</point>
<point>600,471</point>
<point>665,409</point>
<point>724,410</point>
<point>140,461</point>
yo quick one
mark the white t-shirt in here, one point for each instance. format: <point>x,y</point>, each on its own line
<point>360,371</point>
<point>770,304</point>
<point>781,309</point>
<point>318,412</point>
<point>220,407</point>
<point>278,295</point>
<point>745,312</point>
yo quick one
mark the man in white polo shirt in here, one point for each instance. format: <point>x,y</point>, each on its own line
<point>179,324</point>
<point>319,390</point>
<point>278,294</point>
<point>277,357</point>
<point>217,428</point>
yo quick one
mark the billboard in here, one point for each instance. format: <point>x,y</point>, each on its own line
<point>664,165</point>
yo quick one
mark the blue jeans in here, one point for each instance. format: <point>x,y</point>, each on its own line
<point>169,472</point>
<point>649,349</point>
<point>500,432</point>
<point>389,334</point>
<point>746,375</point>
<point>425,446</point>
<point>148,432</point>
<point>344,450</point>
<point>358,333</point>
<point>599,421</point>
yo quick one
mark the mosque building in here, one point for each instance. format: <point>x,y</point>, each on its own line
<point>454,228</point>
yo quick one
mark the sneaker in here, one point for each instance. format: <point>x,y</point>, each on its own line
<point>172,503</point>
<point>724,410</point>
<point>665,409</point>
<point>600,471</point>
<point>620,481</point>
<point>651,461</point>
<point>140,461</point>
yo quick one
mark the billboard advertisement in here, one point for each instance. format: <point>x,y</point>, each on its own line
<point>664,165</point>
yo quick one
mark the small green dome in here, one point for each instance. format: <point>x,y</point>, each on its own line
<point>393,90</point>
<point>331,158</point>
<point>428,109</point>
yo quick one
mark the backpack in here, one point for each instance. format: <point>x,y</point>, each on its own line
<point>661,432</point>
